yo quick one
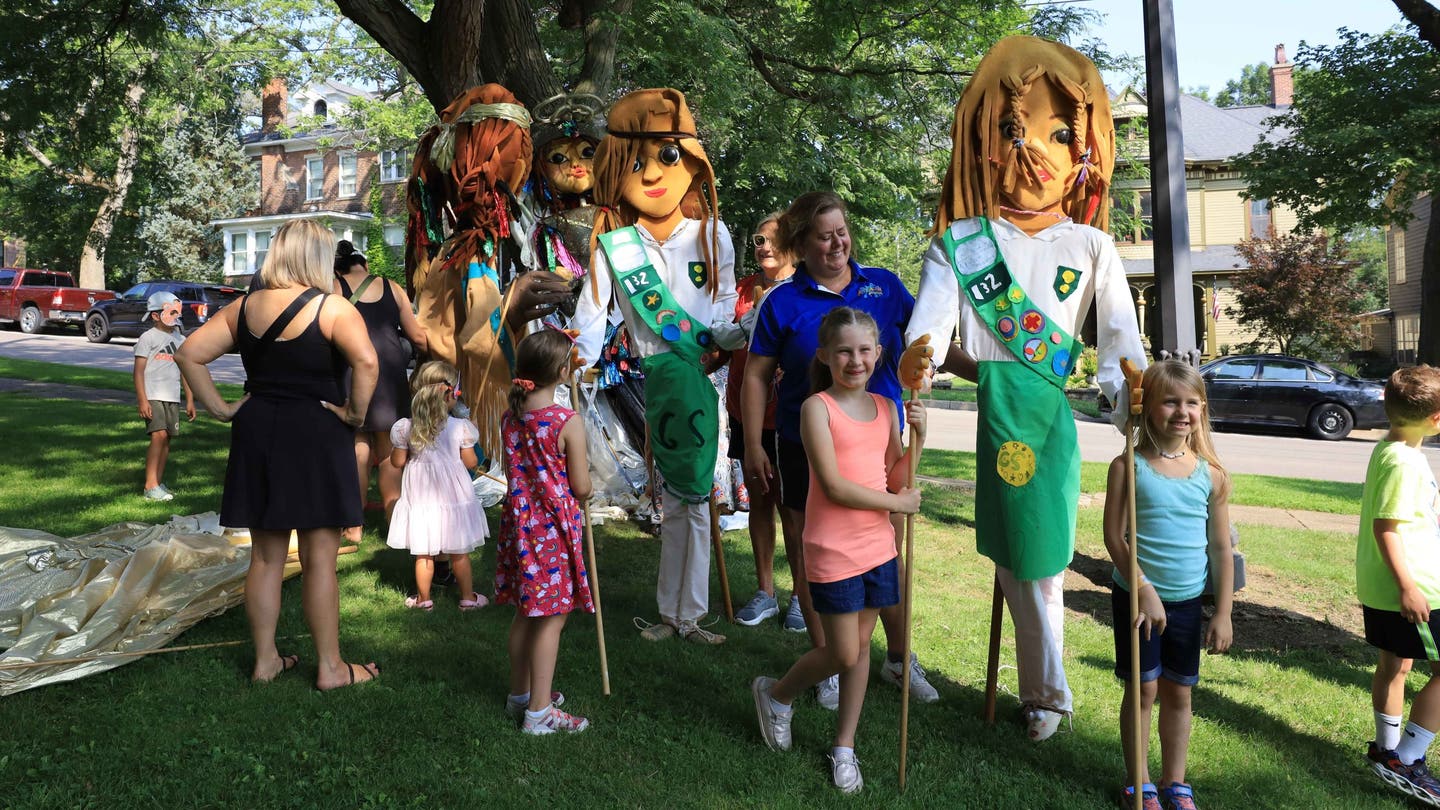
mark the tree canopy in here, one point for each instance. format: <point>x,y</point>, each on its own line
<point>1359,145</point>
<point>1299,292</point>
<point>1253,87</point>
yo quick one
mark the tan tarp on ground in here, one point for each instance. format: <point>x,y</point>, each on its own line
<point>128,587</point>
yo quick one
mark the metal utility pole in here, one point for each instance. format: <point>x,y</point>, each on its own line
<point>1175,296</point>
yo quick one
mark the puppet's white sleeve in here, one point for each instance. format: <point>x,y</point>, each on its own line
<point>1117,333</point>
<point>937,304</point>
<point>727,333</point>
<point>593,308</point>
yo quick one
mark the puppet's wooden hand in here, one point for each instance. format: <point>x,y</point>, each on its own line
<point>916,364</point>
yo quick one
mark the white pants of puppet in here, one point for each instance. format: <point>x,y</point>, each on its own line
<point>1037,607</point>
<point>682,589</point>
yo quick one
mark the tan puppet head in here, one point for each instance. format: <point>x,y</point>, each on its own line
<point>1032,133</point>
<point>651,169</point>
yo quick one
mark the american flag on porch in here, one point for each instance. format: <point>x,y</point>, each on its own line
<point>1214,303</point>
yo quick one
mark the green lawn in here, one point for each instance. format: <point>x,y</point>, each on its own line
<point>186,730</point>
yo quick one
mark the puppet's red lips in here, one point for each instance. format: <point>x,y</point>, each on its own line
<point>1044,176</point>
<point>655,192</point>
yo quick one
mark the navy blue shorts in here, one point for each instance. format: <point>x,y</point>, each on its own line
<point>877,588</point>
<point>1173,654</point>
<point>1388,630</point>
<point>794,472</point>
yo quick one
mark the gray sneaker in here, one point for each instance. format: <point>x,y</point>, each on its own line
<point>794,619</point>
<point>774,726</point>
<point>158,494</point>
<point>920,689</point>
<point>845,772</point>
<point>827,693</point>
<point>760,607</point>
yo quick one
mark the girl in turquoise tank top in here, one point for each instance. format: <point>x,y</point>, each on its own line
<point>1183,537</point>
<point>857,476</point>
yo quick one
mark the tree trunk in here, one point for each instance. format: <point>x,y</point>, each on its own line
<point>1424,16</point>
<point>1429,348</point>
<point>92,257</point>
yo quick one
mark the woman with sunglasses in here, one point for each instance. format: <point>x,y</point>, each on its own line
<point>785,337</point>
<point>775,266</point>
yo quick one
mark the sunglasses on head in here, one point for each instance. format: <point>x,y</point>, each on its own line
<point>759,240</point>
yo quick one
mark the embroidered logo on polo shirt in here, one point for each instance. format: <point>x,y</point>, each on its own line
<point>697,274</point>
<point>870,290</point>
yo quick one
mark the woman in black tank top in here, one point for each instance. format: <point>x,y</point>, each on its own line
<point>291,465</point>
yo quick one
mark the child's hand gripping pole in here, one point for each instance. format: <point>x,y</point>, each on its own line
<point>1137,397</point>
<point>593,568</point>
<point>915,365</point>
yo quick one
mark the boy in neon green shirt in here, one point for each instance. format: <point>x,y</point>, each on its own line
<point>1397,573</point>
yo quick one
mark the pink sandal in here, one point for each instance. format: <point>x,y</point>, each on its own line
<point>474,604</point>
<point>415,603</point>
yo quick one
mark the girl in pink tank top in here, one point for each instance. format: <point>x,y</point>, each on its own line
<point>857,474</point>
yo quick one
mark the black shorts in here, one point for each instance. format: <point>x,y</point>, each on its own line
<point>1389,631</point>
<point>737,443</point>
<point>794,471</point>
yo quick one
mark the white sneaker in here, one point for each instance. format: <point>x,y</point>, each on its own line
<point>516,711</point>
<point>774,726</point>
<point>845,772</point>
<point>553,720</point>
<point>827,693</point>
<point>158,494</point>
<point>920,689</point>
<point>1041,724</point>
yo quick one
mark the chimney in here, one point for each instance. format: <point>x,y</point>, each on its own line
<point>1282,90</point>
<point>273,105</point>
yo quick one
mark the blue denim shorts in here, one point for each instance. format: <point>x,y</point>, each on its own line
<point>1173,654</point>
<point>877,588</point>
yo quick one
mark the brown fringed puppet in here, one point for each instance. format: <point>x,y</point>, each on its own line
<point>1016,262</point>
<point>669,269</point>
<point>462,247</point>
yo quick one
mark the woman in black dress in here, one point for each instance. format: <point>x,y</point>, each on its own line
<point>387,312</point>
<point>291,461</point>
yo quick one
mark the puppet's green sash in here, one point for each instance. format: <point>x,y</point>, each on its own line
<point>652,301</point>
<point>1032,336</point>
<point>681,407</point>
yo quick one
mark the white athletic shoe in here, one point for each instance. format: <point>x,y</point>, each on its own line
<point>845,772</point>
<point>774,726</point>
<point>827,693</point>
<point>920,688</point>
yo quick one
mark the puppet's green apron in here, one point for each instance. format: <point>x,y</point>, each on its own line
<point>1027,454</point>
<point>681,405</point>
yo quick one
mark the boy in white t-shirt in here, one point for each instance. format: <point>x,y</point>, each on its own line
<point>157,388</point>
<point>1397,573</point>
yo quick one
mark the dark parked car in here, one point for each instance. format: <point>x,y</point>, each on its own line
<point>1273,389</point>
<point>125,316</point>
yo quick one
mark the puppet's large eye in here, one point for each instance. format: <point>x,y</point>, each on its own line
<point>669,154</point>
<point>1063,136</point>
<point>559,158</point>
<point>639,165</point>
<point>587,152</point>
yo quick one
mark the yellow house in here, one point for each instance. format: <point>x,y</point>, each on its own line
<point>1220,217</point>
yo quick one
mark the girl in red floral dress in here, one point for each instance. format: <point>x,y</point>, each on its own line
<point>539,562</point>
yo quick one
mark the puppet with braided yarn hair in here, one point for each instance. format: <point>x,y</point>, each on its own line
<point>1016,262</point>
<point>462,247</point>
<point>563,182</point>
<point>671,273</point>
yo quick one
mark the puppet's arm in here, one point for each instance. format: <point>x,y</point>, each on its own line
<point>1117,333</point>
<point>593,309</point>
<point>728,334</point>
<point>937,304</point>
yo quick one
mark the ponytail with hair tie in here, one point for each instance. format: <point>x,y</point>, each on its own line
<point>521,382</point>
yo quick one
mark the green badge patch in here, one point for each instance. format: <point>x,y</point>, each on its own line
<point>1067,281</point>
<point>652,300</point>
<point>697,274</point>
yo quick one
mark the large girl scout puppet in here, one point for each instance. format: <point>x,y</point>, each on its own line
<point>1016,261</point>
<point>672,278</point>
<point>463,249</point>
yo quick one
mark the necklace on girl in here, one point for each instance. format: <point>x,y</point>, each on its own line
<point>1172,456</point>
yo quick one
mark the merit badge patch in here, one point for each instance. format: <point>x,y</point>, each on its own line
<point>651,300</point>
<point>1067,280</point>
<point>697,274</point>
<point>1015,463</point>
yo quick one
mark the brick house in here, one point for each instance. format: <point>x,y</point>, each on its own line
<point>308,167</point>
<point>1220,217</point>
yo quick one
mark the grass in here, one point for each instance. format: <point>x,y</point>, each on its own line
<point>679,731</point>
<point>40,371</point>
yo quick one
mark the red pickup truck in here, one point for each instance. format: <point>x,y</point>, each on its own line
<point>36,298</point>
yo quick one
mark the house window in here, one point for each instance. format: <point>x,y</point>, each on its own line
<point>262,248</point>
<point>1398,236</point>
<point>314,177</point>
<point>1260,224</point>
<point>1136,221</point>
<point>1407,339</point>
<point>239,254</point>
<point>394,235</point>
<point>393,166</point>
<point>348,163</point>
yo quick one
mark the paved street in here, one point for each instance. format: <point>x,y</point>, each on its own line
<point>1285,456</point>
<point>71,348</point>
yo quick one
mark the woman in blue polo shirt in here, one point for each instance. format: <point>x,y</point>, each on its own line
<point>786,334</point>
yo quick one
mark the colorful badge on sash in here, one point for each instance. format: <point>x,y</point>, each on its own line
<point>652,300</point>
